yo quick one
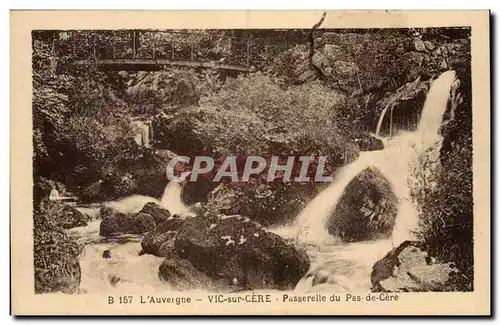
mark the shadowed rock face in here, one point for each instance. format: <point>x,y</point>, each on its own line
<point>182,275</point>
<point>224,252</point>
<point>409,268</point>
<point>236,249</point>
<point>160,241</point>
<point>367,209</point>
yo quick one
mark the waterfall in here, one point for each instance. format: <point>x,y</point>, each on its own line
<point>380,120</point>
<point>172,196</point>
<point>143,133</point>
<point>393,162</point>
<point>435,107</point>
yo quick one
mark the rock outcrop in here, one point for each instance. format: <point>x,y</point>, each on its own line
<point>232,251</point>
<point>409,268</point>
<point>366,210</point>
<point>239,250</point>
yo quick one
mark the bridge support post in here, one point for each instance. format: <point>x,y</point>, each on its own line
<point>248,52</point>
<point>133,45</point>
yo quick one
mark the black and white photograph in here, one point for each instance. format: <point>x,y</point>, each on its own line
<point>296,165</point>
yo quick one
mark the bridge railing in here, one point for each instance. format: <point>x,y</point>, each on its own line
<point>164,45</point>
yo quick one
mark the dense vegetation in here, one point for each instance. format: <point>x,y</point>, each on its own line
<point>55,261</point>
<point>315,100</point>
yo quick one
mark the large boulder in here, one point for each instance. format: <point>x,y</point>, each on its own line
<point>366,210</point>
<point>409,268</point>
<point>157,212</point>
<point>121,223</point>
<point>239,251</point>
<point>160,241</point>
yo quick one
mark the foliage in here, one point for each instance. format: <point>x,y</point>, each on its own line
<point>443,196</point>
<point>254,116</point>
<point>55,254</point>
<point>95,142</point>
<point>170,90</point>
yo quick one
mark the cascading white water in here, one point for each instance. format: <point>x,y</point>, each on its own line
<point>142,136</point>
<point>393,162</point>
<point>349,264</point>
<point>435,107</point>
<point>380,120</point>
<point>172,196</point>
<point>131,204</point>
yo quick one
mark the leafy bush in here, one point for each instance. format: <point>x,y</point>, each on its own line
<point>253,115</point>
<point>167,91</point>
<point>56,264</point>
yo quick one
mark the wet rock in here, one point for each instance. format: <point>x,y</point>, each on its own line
<point>160,241</point>
<point>366,210</point>
<point>409,268</point>
<point>105,211</point>
<point>120,223</point>
<point>158,213</point>
<point>405,105</point>
<point>183,276</point>
<point>113,280</point>
<point>367,142</point>
<point>237,250</point>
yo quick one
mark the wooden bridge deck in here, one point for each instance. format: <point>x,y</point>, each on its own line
<point>149,64</point>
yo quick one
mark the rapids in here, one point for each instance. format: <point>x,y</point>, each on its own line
<point>345,266</point>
